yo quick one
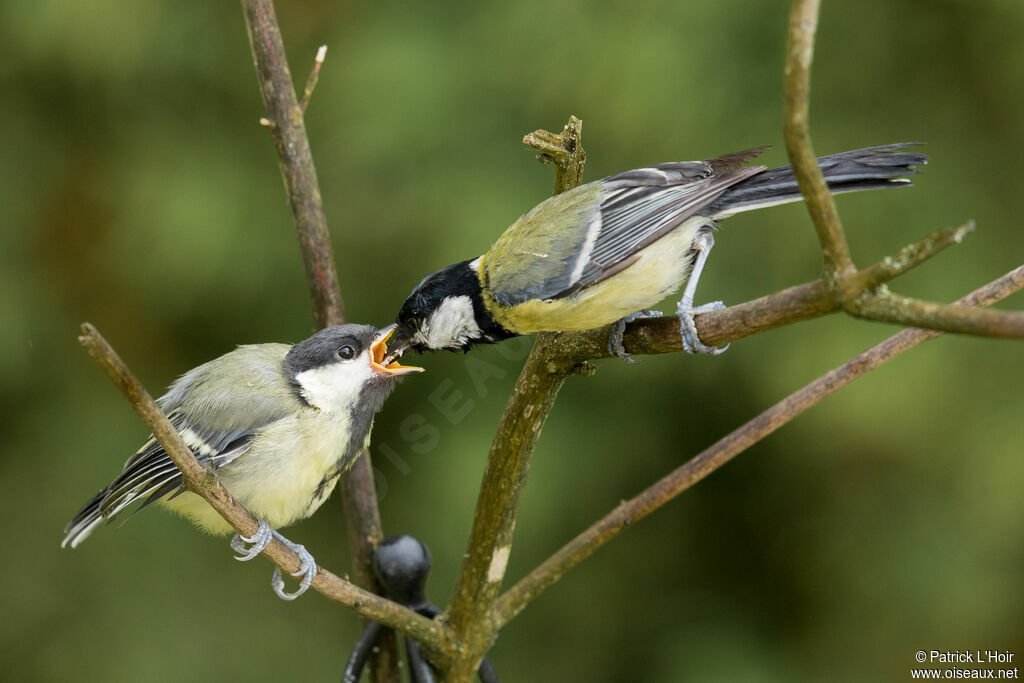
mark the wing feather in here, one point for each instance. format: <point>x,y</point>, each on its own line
<point>218,422</point>
<point>583,236</point>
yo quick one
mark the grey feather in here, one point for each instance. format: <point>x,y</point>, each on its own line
<point>633,216</point>
<point>628,228</point>
<point>861,169</point>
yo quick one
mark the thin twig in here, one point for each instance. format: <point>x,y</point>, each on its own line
<point>628,512</point>
<point>314,77</point>
<point>296,160</point>
<point>803,23</point>
<point>912,256</point>
<point>885,307</point>
<point>204,483</point>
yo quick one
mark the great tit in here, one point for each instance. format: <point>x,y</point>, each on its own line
<point>278,423</point>
<point>604,251</point>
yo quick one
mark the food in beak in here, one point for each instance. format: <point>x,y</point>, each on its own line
<point>384,363</point>
<point>393,356</point>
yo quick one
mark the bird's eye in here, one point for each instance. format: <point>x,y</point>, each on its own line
<point>346,352</point>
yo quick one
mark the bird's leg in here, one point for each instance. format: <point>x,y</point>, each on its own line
<point>354,668</point>
<point>307,570</point>
<point>685,309</point>
<point>258,542</point>
<point>619,329</point>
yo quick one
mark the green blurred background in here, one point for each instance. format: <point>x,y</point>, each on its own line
<point>139,193</point>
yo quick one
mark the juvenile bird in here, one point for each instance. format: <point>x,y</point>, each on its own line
<point>605,251</point>
<point>278,423</point>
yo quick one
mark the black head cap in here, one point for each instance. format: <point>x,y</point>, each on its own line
<point>446,311</point>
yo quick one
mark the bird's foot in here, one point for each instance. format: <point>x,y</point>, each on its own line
<point>258,541</point>
<point>307,570</point>
<point>619,329</point>
<point>688,330</point>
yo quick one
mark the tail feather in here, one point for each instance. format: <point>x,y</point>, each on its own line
<point>861,169</point>
<point>84,521</point>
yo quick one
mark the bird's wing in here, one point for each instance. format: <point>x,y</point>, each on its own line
<point>581,237</point>
<point>536,255</point>
<point>217,422</point>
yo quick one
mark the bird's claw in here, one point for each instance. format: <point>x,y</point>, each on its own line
<point>619,329</point>
<point>258,541</point>
<point>307,570</point>
<point>688,330</point>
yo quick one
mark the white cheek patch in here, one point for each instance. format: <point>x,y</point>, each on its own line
<point>450,325</point>
<point>335,386</point>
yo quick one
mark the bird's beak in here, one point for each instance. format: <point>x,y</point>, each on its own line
<point>378,353</point>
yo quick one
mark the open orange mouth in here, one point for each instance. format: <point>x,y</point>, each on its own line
<point>379,349</point>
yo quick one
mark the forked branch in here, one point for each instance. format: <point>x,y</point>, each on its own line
<point>709,460</point>
<point>842,280</point>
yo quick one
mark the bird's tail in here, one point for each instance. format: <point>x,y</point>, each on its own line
<point>84,521</point>
<point>861,169</point>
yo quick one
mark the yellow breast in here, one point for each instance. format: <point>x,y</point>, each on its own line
<point>290,470</point>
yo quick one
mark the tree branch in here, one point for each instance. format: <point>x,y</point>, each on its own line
<point>912,256</point>
<point>490,540</point>
<point>295,159</point>
<point>204,483</point>
<point>359,499</point>
<point>628,512</point>
<point>840,276</point>
<point>803,23</point>
<point>801,302</point>
<point>564,150</point>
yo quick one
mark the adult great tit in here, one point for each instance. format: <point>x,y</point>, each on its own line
<point>278,423</point>
<point>604,251</point>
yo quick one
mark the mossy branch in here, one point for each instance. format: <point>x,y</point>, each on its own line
<point>470,614</point>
